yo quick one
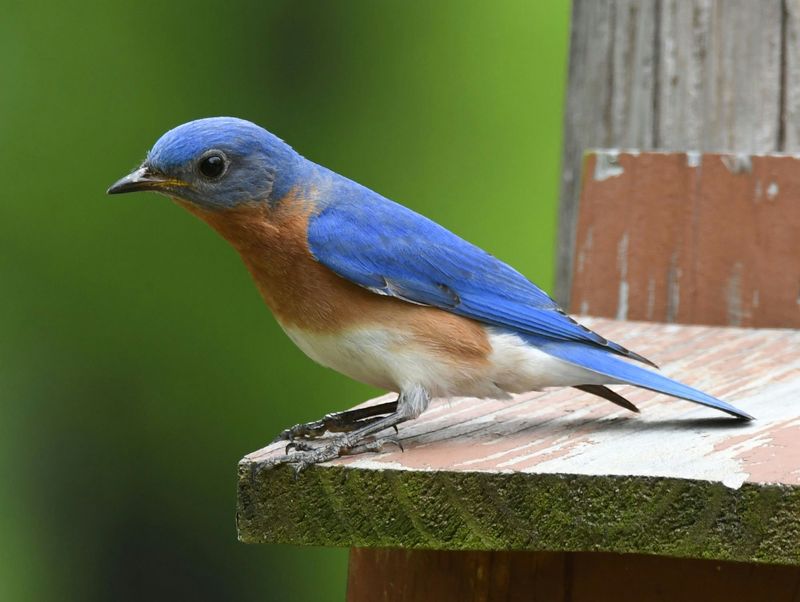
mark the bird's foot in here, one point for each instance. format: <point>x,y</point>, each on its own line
<point>362,425</point>
<point>336,422</point>
<point>301,454</point>
<point>374,445</point>
<point>306,429</point>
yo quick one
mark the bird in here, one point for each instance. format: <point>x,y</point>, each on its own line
<point>378,292</point>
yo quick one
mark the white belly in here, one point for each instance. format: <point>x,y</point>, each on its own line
<point>391,360</point>
<point>371,356</point>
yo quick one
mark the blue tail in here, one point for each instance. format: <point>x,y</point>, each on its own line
<point>602,362</point>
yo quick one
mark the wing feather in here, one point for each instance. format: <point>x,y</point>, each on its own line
<point>391,250</point>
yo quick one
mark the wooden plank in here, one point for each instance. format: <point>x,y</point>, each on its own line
<point>791,85</point>
<point>563,471</point>
<point>719,84</point>
<point>708,75</point>
<point>690,238</point>
<point>411,576</point>
<point>609,96</point>
<point>406,576</point>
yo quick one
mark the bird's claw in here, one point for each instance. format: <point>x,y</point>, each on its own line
<point>375,446</point>
<point>300,445</point>
<point>302,430</point>
<point>335,422</point>
<point>302,454</point>
<point>338,422</point>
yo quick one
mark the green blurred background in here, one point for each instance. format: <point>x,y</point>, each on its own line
<point>137,363</point>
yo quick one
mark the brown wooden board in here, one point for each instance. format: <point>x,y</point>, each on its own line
<point>689,238</point>
<point>410,576</point>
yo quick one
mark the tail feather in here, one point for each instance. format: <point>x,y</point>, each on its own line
<point>603,342</point>
<point>608,394</point>
<point>602,362</point>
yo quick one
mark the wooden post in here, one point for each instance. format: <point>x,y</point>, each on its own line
<point>696,75</point>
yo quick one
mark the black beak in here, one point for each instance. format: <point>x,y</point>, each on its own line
<point>142,179</point>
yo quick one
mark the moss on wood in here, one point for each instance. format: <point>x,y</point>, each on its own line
<point>340,506</point>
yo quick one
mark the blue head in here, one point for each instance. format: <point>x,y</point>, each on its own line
<point>217,163</point>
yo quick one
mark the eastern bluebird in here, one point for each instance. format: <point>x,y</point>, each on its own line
<point>378,292</point>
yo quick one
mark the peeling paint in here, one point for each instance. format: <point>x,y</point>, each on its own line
<point>660,482</point>
<point>733,295</point>
<point>694,159</point>
<point>622,308</point>
<point>564,432</point>
<point>738,163</point>
<point>735,481</point>
<point>622,265</point>
<point>673,288</point>
<point>772,191</point>
<point>651,297</point>
<point>756,298</point>
<point>607,165</point>
<point>769,452</point>
<point>586,249</point>
<point>585,306</point>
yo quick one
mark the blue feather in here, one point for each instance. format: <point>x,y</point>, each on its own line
<point>391,250</point>
<point>383,246</point>
<point>604,363</point>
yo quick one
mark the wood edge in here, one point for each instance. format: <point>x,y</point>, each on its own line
<point>447,510</point>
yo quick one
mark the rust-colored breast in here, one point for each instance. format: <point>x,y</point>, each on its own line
<point>303,293</point>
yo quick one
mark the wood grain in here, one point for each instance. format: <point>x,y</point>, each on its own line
<point>565,471</point>
<point>791,72</point>
<point>405,576</point>
<point>719,82</point>
<point>690,238</point>
<point>700,75</point>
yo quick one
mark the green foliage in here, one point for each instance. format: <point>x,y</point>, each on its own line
<point>137,363</point>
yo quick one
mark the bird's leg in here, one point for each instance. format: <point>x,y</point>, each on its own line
<point>336,422</point>
<point>371,445</point>
<point>310,443</point>
<point>337,446</point>
<point>410,404</point>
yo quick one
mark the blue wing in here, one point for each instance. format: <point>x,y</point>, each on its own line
<point>391,250</point>
<point>601,362</point>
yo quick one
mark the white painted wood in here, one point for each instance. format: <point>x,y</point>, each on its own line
<point>563,431</point>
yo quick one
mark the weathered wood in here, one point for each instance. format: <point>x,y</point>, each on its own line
<point>690,238</point>
<point>791,72</point>
<point>699,75</point>
<point>563,471</point>
<point>406,576</point>
<point>455,576</point>
<point>609,97</point>
<point>719,84</point>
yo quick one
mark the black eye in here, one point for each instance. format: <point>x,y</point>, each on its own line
<point>212,165</point>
